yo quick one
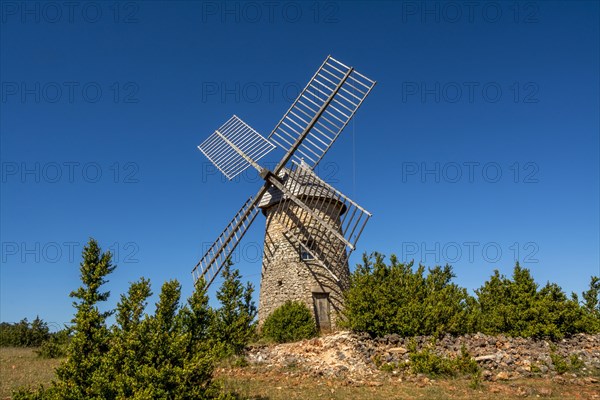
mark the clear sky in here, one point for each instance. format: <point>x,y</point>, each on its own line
<point>478,146</point>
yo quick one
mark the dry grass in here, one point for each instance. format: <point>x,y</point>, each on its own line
<point>22,367</point>
<point>255,384</point>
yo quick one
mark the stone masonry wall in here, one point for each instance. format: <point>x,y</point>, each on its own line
<point>346,354</point>
<point>286,277</point>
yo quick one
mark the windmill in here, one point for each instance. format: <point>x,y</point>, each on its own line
<point>311,227</point>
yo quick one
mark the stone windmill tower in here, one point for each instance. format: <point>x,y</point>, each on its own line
<point>302,261</point>
<point>311,227</point>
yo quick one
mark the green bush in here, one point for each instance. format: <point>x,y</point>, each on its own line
<point>517,308</point>
<point>396,298</point>
<point>291,322</point>
<point>56,346</point>
<point>41,393</point>
<point>168,354</point>
<point>465,363</point>
<point>426,361</point>
<point>564,364</point>
<point>233,324</point>
<point>476,379</point>
<point>590,322</point>
<point>560,363</point>
<point>385,299</point>
<point>24,333</point>
<point>576,362</point>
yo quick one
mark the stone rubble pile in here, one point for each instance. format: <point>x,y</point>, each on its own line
<point>346,354</point>
<point>339,354</point>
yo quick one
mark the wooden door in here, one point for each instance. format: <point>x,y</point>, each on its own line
<point>321,305</point>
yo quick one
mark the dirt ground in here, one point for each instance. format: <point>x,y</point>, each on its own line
<point>260,383</point>
<point>22,367</point>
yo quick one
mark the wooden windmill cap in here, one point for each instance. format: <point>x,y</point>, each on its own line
<point>303,183</point>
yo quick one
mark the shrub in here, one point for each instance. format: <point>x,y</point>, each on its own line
<point>563,364</point>
<point>385,299</point>
<point>233,324</point>
<point>426,361</point>
<point>475,382</point>
<point>560,363</point>
<point>56,346</point>
<point>77,377</point>
<point>24,333</point>
<point>590,322</point>
<point>465,363</point>
<point>396,298</point>
<point>41,393</point>
<point>516,307</point>
<point>291,322</point>
<point>164,355</point>
<point>576,362</point>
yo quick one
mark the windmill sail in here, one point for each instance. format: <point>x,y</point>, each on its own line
<point>348,87</point>
<point>217,255</point>
<point>234,147</point>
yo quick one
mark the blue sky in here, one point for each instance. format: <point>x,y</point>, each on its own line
<point>478,146</point>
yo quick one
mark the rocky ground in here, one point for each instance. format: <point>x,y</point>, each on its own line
<point>358,357</point>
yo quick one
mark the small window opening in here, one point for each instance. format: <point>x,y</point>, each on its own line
<point>304,253</point>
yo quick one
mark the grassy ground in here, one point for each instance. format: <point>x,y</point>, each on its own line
<point>22,367</point>
<point>277,386</point>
